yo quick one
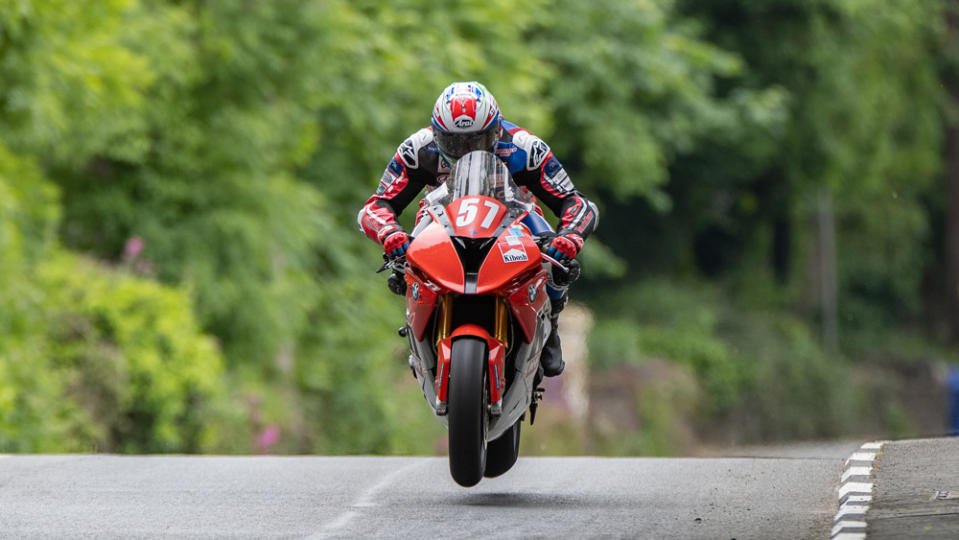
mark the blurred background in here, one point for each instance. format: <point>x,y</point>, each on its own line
<point>180,269</point>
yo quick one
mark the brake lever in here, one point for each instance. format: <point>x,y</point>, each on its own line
<point>397,264</point>
<point>391,263</point>
<point>554,262</point>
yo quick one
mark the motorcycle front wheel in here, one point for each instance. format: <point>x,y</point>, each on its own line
<point>468,398</point>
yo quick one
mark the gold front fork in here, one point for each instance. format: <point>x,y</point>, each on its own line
<point>501,321</point>
<point>445,317</point>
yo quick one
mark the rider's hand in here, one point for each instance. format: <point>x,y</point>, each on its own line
<point>395,241</point>
<point>565,247</point>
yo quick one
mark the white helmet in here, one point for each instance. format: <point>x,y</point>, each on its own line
<point>465,118</point>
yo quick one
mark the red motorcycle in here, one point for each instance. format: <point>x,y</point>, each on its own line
<point>477,313</point>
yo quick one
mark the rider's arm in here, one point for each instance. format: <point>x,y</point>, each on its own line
<point>402,180</point>
<point>546,178</point>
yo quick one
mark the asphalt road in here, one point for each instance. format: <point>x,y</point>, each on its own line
<point>916,492</point>
<point>95,496</point>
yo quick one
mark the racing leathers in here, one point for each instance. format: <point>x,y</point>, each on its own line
<point>418,163</point>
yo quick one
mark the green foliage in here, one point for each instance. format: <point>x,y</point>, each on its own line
<point>379,86</point>
<point>106,362</point>
<point>92,358</point>
<point>28,214</point>
<point>869,139</point>
<point>133,360</point>
<point>71,90</point>
<point>211,156</point>
<point>637,87</point>
<point>753,366</point>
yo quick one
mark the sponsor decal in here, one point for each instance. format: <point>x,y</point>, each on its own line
<point>552,167</point>
<point>407,153</point>
<point>557,177</point>
<point>385,182</point>
<point>513,240</point>
<point>464,111</point>
<point>586,221</point>
<point>395,166</point>
<point>537,153</point>
<point>512,254</point>
<point>516,231</point>
<point>561,182</point>
<point>504,150</point>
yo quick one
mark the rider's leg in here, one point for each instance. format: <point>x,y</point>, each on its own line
<point>552,357</point>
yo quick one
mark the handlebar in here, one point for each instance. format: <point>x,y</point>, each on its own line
<point>570,270</point>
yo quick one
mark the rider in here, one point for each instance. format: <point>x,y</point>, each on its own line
<point>466,118</point>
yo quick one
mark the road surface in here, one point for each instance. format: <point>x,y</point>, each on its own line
<point>916,492</point>
<point>788,494</point>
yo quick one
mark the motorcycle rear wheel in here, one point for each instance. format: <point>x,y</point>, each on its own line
<point>501,454</point>
<point>468,399</point>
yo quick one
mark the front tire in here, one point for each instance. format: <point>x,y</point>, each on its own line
<point>468,422</point>
<point>501,454</point>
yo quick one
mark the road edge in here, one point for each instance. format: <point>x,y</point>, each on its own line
<point>855,492</point>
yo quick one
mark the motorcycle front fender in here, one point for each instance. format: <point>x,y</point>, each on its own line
<point>496,364</point>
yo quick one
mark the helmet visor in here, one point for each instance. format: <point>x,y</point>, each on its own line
<point>457,145</point>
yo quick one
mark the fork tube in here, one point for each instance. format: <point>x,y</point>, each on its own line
<point>501,320</point>
<point>445,317</point>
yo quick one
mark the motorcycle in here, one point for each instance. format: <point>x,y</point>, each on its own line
<point>477,312</point>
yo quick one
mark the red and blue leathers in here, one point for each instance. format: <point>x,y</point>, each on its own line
<point>418,164</point>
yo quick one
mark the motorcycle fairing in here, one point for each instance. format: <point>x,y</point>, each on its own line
<point>514,254</point>
<point>444,348</point>
<point>510,266</point>
<point>433,250</point>
<point>496,363</point>
<point>527,301</point>
<point>421,298</point>
<point>476,216</point>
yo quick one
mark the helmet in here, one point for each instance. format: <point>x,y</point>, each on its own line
<point>465,118</point>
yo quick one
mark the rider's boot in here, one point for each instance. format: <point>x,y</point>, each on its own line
<point>552,357</point>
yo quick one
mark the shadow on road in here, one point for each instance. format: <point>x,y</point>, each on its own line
<point>521,500</point>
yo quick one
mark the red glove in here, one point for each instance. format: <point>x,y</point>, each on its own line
<point>565,246</point>
<point>395,241</point>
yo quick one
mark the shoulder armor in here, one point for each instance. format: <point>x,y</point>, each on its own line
<point>536,150</point>
<point>409,151</point>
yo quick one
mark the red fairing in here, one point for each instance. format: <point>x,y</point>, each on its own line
<point>420,303</point>
<point>433,250</point>
<point>524,308</point>
<point>476,216</point>
<point>514,254</point>
<point>442,382</point>
<point>497,370</point>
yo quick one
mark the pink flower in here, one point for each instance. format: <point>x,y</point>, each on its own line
<point>133,248</point>
<point>268,437</point>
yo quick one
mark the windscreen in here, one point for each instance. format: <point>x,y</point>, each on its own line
<point>482,173</point>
